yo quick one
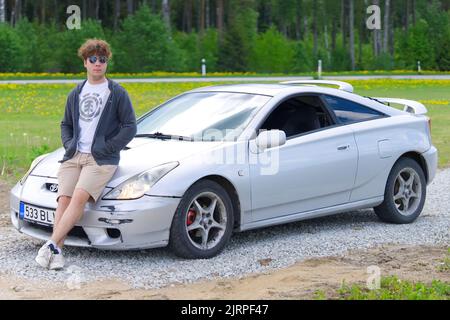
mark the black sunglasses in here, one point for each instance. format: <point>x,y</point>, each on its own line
<point>102,59</point>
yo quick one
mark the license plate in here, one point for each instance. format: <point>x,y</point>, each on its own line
<point>36,214</point>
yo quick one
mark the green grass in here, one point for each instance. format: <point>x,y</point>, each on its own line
<point>30,114</point>
<point>392,288</point>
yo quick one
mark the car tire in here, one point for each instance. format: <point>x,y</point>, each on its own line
<point>403,198</point>
<point>198,222</point>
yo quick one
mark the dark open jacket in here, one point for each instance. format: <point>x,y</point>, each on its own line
<point>116,127</point>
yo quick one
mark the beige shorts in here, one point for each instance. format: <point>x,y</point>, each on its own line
<point>81,171</point>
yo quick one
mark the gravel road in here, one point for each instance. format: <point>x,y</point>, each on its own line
<point>253,251</point>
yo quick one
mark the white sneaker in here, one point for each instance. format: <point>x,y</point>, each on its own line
<point>43,256</point>
<point>56,261</point>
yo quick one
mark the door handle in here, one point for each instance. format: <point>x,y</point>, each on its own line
<point>344,147</point>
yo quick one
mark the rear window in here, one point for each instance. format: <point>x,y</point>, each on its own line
<point>347,111</point>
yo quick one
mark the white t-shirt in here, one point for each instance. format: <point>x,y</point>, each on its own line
<point>93,98</point>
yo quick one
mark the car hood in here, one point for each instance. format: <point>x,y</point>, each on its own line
<point>139,155</point>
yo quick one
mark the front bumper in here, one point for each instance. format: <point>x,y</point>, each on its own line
<point>113,224</point>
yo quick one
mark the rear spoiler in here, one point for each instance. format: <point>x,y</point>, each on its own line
<point>342,85</point>
<point>410,106</point>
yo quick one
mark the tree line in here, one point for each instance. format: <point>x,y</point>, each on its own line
<point>232,35</point>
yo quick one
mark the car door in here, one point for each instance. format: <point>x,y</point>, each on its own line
<point>313,170</point>
<point>374,133</point>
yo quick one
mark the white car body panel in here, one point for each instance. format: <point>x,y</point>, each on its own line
<point>307,178</point>
<point>380,144</point>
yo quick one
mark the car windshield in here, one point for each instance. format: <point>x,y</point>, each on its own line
<point>204,116</point>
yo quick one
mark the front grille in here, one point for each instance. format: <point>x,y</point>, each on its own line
<point>76,231</point>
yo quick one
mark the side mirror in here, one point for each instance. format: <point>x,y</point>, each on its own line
<point>270,139</point>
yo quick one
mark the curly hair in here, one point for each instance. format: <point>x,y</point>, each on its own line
<point>94,47</point>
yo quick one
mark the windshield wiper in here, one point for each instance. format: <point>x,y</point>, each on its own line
<point>163,136</point>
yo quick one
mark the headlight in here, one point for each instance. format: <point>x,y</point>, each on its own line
<point>138,185</point>
<point>33,165</point>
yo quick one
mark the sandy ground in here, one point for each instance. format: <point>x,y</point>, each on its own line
<point>300,281</point>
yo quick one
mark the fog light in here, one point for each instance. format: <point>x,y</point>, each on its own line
<point>113,233</point>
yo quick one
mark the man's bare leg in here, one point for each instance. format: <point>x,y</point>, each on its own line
<point>63,203</point>
<point>71,215</point>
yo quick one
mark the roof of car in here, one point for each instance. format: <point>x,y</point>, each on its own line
<point>275,89</point>
<point>253,88</point>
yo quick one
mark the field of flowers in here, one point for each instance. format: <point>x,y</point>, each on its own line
<point>156,74</point>
<point>30,114</point>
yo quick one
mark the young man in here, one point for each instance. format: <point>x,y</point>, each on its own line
<point>98,122</point>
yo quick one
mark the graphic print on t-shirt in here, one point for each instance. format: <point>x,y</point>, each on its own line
<point>90,106</point>
<point>92,103</point>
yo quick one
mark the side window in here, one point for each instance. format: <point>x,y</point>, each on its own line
<point>297,116</point>
<point>347,111</point>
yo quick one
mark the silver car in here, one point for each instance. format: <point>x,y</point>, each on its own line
<point>236,157</point>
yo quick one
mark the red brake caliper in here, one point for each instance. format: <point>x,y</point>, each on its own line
<point>191,217</point>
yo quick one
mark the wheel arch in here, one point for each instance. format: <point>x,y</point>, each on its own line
<point>231,190</point>
<point>416,156</point>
